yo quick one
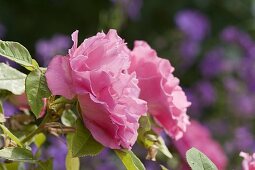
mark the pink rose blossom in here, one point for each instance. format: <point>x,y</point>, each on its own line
<point>96,73</point>
<point>199,137</point>
<point>167,102</point>
<point>249,161</point>
<point>20,101</point>
<point>44,108</point>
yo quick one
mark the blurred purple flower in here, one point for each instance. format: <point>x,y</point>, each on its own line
<point>218,127</point>
<point>232,34</point>
<point>56,150</point>
<point>201,95</point>
<point>244,140</point>
<point>2,59</point>
<point>105,163</point>
<point>212,64</point>
<point>102,161</point>
<point>246,41</point>
<point>2,31</point>
<point>131,7</point>
<point>243,104</point>
<point>34,148</point>
<point>231,84</point>
<point>206,92</point>
<point>193,23</point>
<point>247,72</point>
<point>9,109</point>
<point>195,108</point>
<point>189,50</point>
<point>251,52</point>
<point>8,62</point>
<point>47,49</point>
<point>106,166</point>
<point>151,165</point>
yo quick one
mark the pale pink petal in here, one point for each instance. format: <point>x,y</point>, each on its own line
<point>248,161</point>
<point>75,42</point>
<point>97,120</point>
<point>43,111</point>
<point>167,102</point>
<point>199,137</point>
<point>59,77</point>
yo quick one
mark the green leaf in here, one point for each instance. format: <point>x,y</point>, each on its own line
<point>2,166</point>
<point>17,154</point>
<point>11,79</point>
<point>16,52</point>
<point>163,148</point>
<point>21,166</point>
<point>129,159</point>
<point>2,118</point>
<point>36,90</point>
<point>4,94</point>
<point>35,64</point>
<point>151,140</point>
<point>163,167</point>
<point>82,142</point>
<point>12,136</point>
<point>144,125</point>
<point>1,107</point>
<point>12,166</point>
<point>68,118</point>
<point>45,165</point>
<point>144,130</point>
<point>72,163</point>
<point>39,139</point>
<point>199,161</point>
<point>154,143</point>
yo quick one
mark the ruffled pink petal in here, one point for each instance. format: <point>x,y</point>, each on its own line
<point>167,102</point>
<point>75,42</point>
<point>97,120</point>
<point>59,77</point>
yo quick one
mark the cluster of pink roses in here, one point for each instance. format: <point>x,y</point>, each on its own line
<point>248,162</point>
<point>116,86</point>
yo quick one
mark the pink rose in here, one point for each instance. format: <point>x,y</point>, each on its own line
<point>96,73</point>
<point>249,161</point>
<point>20,101</point>
<point>166,100</point>
<point>199,137</point>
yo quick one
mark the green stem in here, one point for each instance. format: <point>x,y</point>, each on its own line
<point>47,117</point>
<point>62,100</point>
<point>38,130</point>
<point>12,136</point>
